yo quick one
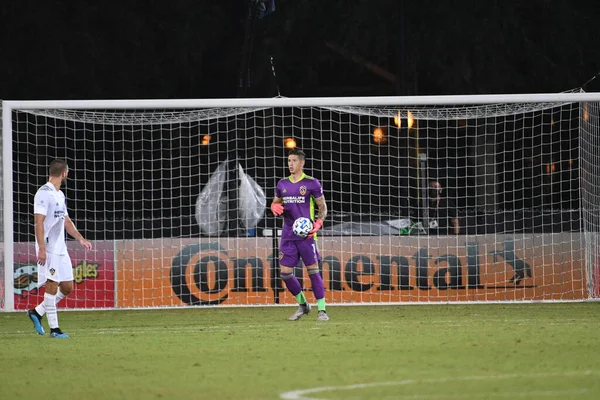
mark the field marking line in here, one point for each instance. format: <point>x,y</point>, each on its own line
<point>526,394</point>
<point>173,329</point>
<point>384,325</point>
<point>302,394</point>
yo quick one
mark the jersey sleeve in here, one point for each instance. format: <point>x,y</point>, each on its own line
<point>317,190</point>
<point>278,190</point>
<point>40,203</point>
<point>66,209</point>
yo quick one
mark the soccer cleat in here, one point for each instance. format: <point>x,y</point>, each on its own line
<point>37,322</point>
<point>302,310</point>
<point>58,334</point>
<point>322,316</point>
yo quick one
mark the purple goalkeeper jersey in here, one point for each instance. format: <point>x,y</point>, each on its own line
<point>298,201</point>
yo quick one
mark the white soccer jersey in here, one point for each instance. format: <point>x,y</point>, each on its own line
<point>51,203</point>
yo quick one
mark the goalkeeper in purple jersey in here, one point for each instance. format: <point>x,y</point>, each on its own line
<point>295,197</point>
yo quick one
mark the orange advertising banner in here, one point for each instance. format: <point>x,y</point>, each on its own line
<point>373,269</point>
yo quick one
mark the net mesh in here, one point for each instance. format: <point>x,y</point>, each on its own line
<point>176,202</point>
<point>2,188</point>
<point>590,194</point>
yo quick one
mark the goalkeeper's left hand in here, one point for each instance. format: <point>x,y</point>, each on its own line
<point>316,226</point>
<point>277,209</point>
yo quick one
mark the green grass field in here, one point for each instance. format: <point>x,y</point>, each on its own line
<point>526,351</point>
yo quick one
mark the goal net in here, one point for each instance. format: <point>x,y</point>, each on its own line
<point>430,199</point>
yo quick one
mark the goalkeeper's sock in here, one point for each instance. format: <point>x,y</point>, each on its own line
<point>321,304</point>
<point>301,299</point>
<point>294,287</point>
<point>317,284</point>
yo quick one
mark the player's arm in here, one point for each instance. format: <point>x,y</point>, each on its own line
<point>321,215</point>
<point>39,236</point>
<point>277,203</point>
<point>40,210</point>
<point>322,208</point>
<point>72,230</point>
<point>277,206</point>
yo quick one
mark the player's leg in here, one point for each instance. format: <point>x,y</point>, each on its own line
<point>318,288</point>
<point>64,288</point>
<point>50,305</point>
<point>292,284</point>
<point>56,266</point>
<point>310,255</point>
<point>36,314</point>
<point>33,314</point>
<point>288,255</point>
<point>66,274</point>
<point>61,289</point>
<point>61,268</point>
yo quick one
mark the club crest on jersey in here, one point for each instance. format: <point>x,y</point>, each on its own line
<point>280,255</point>
<point>52,271</point>
<point>302,190</point>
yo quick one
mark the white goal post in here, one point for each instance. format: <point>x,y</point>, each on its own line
<point>174,195</point>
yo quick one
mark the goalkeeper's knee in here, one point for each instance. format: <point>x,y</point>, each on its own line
<point>286,275</point>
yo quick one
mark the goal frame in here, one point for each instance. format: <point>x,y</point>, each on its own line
<point>8,106</point>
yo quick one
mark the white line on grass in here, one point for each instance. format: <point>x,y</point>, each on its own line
<point>527,394</point>
<point>126,330</point>
<point>303,394</point>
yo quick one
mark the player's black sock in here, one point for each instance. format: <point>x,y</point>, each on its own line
<point>34,312</point>
<point>56,330</point>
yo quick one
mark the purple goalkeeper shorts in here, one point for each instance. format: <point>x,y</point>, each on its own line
<point>290,252</point>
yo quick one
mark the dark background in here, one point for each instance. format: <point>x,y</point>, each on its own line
<point>212,49</point>
<point>194,49</point>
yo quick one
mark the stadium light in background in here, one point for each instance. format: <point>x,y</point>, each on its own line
<point>289,143</point>
<point>586,116</point>
<point>398,120</point>
<point>410,121</point>
<point>205,140</point>
<point>379,136</point>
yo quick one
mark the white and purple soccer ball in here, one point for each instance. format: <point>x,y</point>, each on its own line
<point>302,226</point>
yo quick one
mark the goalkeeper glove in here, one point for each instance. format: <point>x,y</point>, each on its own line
<point>277,209</point>
<point>316,226</point>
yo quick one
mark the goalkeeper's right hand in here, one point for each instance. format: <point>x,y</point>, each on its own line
<point>277,209</point>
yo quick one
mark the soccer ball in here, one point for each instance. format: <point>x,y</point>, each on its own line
<point>302,226</point>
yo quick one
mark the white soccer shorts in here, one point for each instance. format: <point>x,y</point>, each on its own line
<point>58,268</point>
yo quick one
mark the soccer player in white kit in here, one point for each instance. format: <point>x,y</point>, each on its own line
<point>54,264</point>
